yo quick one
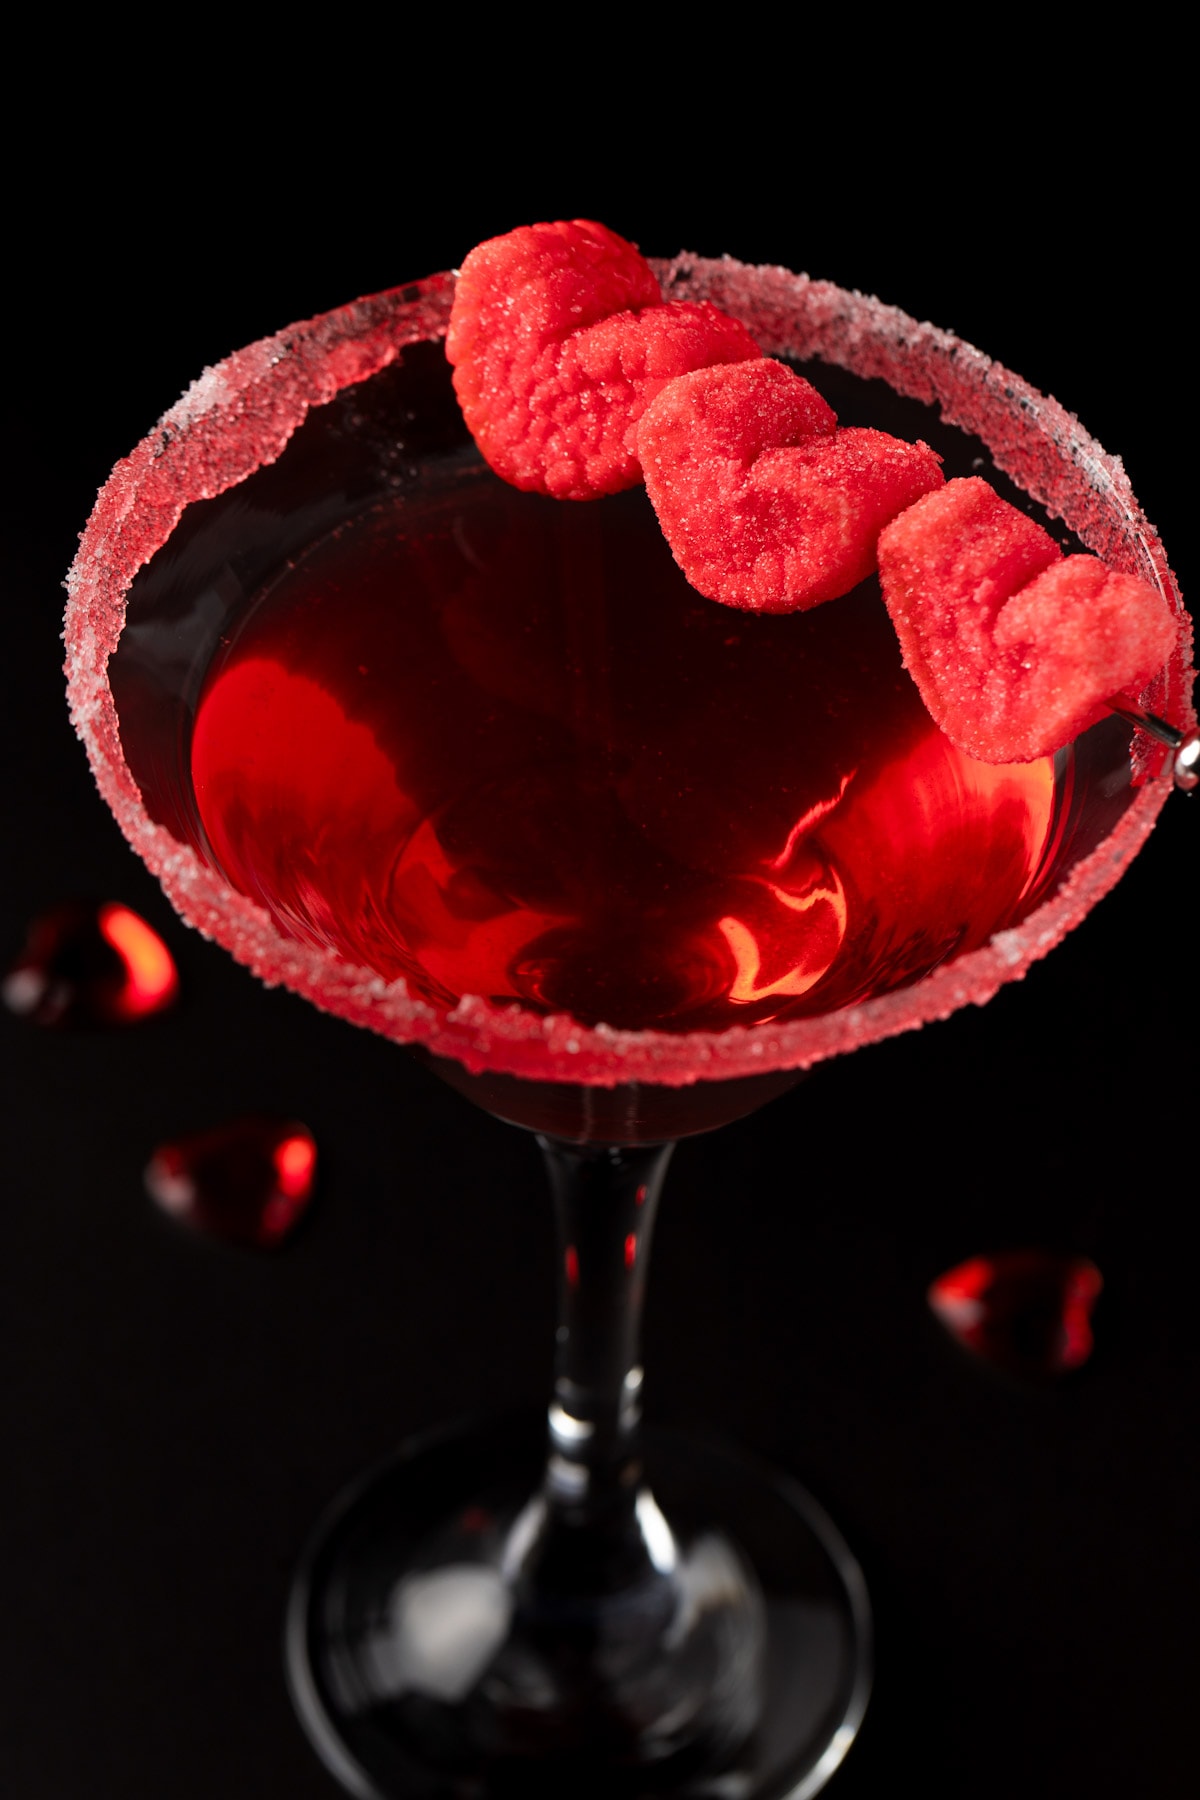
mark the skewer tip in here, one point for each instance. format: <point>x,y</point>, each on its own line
<point>1186,745</point>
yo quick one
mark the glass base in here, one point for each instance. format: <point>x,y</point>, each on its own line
<point>399,1634</point>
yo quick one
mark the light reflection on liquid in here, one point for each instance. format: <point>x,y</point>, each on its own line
<point>516,756</point>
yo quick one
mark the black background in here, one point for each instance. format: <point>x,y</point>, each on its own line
<point>173,1415</point>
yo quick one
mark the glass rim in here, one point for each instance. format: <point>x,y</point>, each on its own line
<point>238,417</point>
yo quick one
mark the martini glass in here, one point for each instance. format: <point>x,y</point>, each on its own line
<point>574,1606</point>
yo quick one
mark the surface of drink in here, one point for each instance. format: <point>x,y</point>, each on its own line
<point>496,745</point>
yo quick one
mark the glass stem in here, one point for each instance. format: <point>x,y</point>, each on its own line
<point>598,1529</point>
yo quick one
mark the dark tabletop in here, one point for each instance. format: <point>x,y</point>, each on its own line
<point>174,1415</point>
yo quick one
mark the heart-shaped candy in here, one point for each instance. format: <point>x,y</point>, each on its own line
<point>560,338</point>
<point>765,503</point>
<point>1014,647</point>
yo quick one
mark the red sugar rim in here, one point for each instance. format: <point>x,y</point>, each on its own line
<point>239,416</point>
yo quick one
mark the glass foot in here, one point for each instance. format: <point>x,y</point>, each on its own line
<point>403,1658</point>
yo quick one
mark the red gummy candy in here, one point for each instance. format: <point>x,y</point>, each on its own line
<point>1014,647</point>
<point>560,338</point>
<point>765,503</point>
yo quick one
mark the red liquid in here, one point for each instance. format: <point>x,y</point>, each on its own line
<point>512,753</point>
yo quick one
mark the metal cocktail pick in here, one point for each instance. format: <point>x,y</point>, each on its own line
<point>1186,745</point>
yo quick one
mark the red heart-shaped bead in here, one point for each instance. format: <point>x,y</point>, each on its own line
<point>560,338</point>
<point>765,503</point>
<point>1014,647</point>
<point>91,964</point>
<point>249,1181</point>
<point>1026,1311</point>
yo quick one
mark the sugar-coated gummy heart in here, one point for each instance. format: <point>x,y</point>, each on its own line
<point>560,338</point>
<point>765,503</point>
<point>1014,647</point>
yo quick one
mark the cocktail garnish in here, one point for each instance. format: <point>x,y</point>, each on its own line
<point>767,505</point>
<point>1026,1311</point>
<point>575,378</point>
<point>560,338</point>
<point>247,1182</point>
<point>91,964</point>
<point>1015,648</point>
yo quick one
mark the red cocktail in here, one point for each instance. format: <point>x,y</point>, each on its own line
<point>478,770</point>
